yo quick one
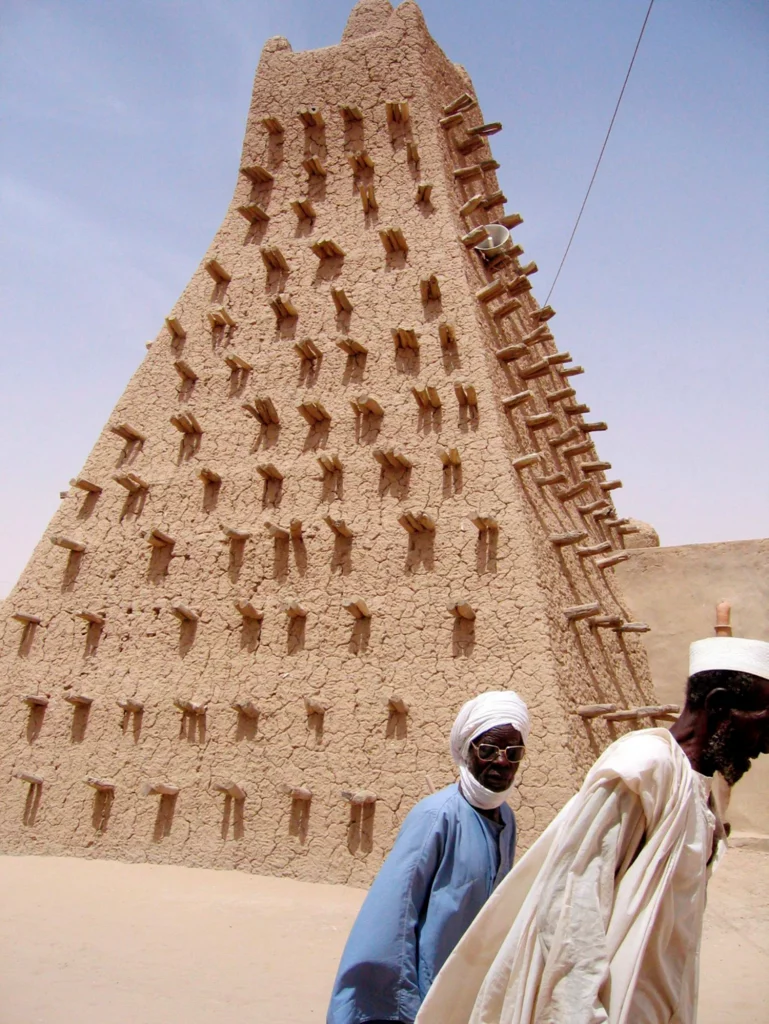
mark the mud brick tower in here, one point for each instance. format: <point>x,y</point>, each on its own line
<point>349,486</point>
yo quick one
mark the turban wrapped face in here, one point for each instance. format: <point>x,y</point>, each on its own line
<point>488,710</point>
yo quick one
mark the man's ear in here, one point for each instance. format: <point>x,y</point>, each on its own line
<point>718,704</point>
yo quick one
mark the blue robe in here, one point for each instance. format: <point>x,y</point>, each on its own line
<point>445,863</point>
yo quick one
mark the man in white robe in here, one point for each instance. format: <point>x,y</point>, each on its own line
<point>601,920</point>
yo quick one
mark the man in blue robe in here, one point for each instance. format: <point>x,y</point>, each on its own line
<point>452,851</point>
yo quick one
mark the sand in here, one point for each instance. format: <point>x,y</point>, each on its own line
<point>100,942</point>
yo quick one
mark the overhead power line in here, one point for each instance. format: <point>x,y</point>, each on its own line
<point>600,155</point>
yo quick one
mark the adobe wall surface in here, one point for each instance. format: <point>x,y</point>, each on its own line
<point>183,610</point>
<point>675,590</point>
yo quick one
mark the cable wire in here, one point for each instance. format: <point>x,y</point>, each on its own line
<point>600,155</point>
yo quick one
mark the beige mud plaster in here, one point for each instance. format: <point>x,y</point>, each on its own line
<point>198,570</point>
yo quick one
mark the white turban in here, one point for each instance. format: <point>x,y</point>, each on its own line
<point>499,707</point>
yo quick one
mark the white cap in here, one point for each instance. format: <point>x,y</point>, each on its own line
<point>731,653</point>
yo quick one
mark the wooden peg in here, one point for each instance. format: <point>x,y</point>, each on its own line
<point>249,611</point>
<point>576,409</point>
<point>236,362</point>
<point>273,258</point>
<point>360,161</point>
<point>29,777</point>
<point>308,350</point>
<point>610,485</point>
<point>491,128</point>
<point>398,705</point>
<point>530,268</point>
<point>451,121</point>
<point>571,371</point>
<point>234,790</point>
<point>594,467</point>
<point>256,174</point>
<point>450,456</point>
<point>491,290</point>
<point>506,309</point>
<point>102,785</point>
<point>300,793</point>
<point>553,396</point>
<point>314,167</point>
<point>341,301</point>
<point>95,618</point>
<point>350,112</point>
<point>189,707</point>
<point>405,338</point>
<point>607,563</point>
<point>368,198</point>
<point>533,459</point>
<point>430,288</point>
<point>561,540</point>
<point>512,220</point>
<point>469,145</point>
<point>315,706</point>
<point>581,611</point>
<point>484,523</point>
<point>283,308</point>
<point>577,449</point>
<point>543,314</point>
<point>511,401</point>
<point>330,463</point>
<point>357,607</point>
<point>427,397</point>
<point>556,358</point>
<point>310,117</point>
<point>490,165</point>
<point>303,209</point>
<point>219,317</point>
<point>184,370</point>
<point>537,336</point>
<point>593,549</point>
<point>540,419</point>
<point>538,369</point>
<point>314,412</point>
<point>497,198</point>
<point>183,611</point>
<point>393,240</point>
<point>234,535</point>
<point>589,711</point>
<point>474,237</point>
<point>447,335</point>
<point>85,485</point>
<point>27,618</point>
<point>390,459</point>
<point>553,478</point>
<point>130,705</point>
<point>175,328</point>
<point>462,609</point>
<point>397,111</point>
<point>412,153</point>
<point>366,404</point>
<point>246,708</point>
<point>35,700</point>
<point>358,797</point>
<point>186,423</point>
<point>253,213</point>
<point>591,428</point>
<point>424,191</point>
<point>465,173</point>
<point>294,610</point>
<point>78,700</point>
<point>593,506</point>
<point>463,102</point>
<point>417,522</point>
<point>605,622</point>
<point>466,395</point>
<point>564,438</point>
<point>268,471</point>
<point>518,285</point>
<point>273,125</point>
<point>574,490</point>
<point>263,409</point>
<point>160,789</point>
<point>69,543</point>
<point>350,347</point>
<point>472,204</point>
<point>338,526</point>
<point>208,476</point>
<point>128,433</point>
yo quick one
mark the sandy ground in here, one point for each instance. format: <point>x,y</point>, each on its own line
<point>98,942</point>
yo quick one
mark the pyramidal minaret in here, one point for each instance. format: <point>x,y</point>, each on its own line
<point>350,486</point>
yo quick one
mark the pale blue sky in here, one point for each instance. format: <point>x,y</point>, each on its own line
<point>122,123</point>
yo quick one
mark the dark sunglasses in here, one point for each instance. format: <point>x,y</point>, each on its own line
<point>488,752</point>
